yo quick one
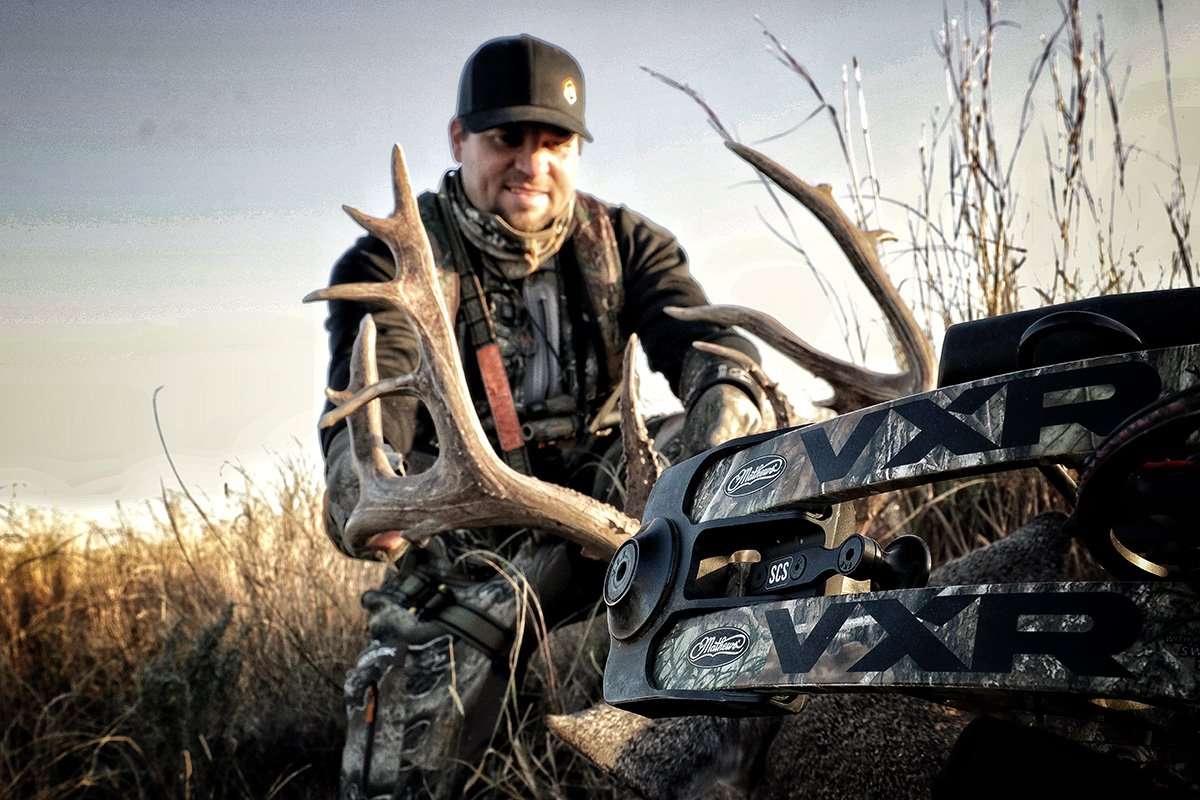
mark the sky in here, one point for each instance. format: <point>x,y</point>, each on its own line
<point>173,173</point>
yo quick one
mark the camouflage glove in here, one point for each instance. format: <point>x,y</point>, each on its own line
<point>723,401</point>
<point>722,412</point>
<point>341,487</point>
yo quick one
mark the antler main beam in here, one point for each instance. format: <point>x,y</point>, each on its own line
<point>468,485</point>
<point>853,386</point>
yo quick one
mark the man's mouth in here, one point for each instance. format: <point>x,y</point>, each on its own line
<point>528,195</point>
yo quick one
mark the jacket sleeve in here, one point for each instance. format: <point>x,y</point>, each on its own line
<point>396,342</point>
<point>656,275</point>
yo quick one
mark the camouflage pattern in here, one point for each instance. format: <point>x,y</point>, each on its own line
<point>888,744</point>
<point>722,412</point>
<point>423,702</point>
<point>1046,646</point>
<point>595,246</point>
<point>1160,665</point>
<point>439,243</point>
<point>890,435</point>
<point>596,252</point>
<point>517,335</point>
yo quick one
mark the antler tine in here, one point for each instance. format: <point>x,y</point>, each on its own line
<point>781,407</point>
<point>468,484</point>
<point>366,432</point>
<point>415,289</point>
<point>349,402</point>
<point>402,193</point>
<point>375,295</point>
<point>404,217</point>
<point>851,383</point>
<point>642,466</point>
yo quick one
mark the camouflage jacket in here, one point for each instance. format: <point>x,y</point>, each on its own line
<point>624,270</point>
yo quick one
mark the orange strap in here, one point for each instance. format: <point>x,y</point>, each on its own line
<point>499,397</point>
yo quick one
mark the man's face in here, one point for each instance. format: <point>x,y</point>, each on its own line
<point>524,172</point>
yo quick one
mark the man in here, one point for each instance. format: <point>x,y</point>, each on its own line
<point>555,281</point>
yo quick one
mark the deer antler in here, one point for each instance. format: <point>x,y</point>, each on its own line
<point>642,466</point>
<point>468,485</point>
<point>853,386</point>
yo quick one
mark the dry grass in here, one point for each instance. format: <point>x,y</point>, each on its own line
<point>972,250</point>
<point>187,660</point>
<point>525,760</point>
<point>203,657</point>
<point>956,517</point>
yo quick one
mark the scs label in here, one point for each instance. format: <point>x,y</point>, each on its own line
<point>718,647</point>
<point>778,571</point>
<point>755,474</point>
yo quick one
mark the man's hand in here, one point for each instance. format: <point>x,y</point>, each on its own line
<point>341,495</point>
<point>722,413</point>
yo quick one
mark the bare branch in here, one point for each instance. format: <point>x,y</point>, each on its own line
<point>713,119</point>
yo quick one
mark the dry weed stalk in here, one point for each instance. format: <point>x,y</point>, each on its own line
<point>1179,210</point>
<point>969,236</point>
<point>524,759</point>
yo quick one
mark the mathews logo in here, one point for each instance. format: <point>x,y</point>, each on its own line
<point>754,475</point>
<point>719,647</point>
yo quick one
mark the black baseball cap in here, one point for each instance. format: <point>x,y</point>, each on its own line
<point>521,79</point>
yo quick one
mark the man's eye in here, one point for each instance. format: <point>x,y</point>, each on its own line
<point>511,138</point>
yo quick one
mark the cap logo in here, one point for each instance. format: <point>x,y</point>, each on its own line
<point>569,92</point>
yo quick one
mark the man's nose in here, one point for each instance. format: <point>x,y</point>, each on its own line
<point>532,159</point>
